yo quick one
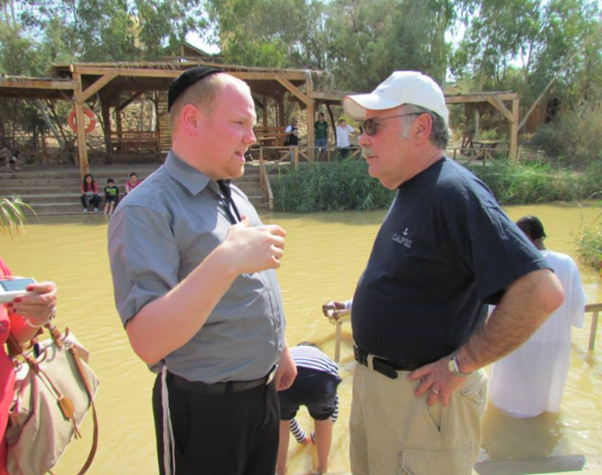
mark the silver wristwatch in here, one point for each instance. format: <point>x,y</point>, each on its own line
<point>452,366</point>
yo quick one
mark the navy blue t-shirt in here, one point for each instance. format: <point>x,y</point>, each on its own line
<point>445,249</point>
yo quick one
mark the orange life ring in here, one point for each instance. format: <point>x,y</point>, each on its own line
<point>87,112</point>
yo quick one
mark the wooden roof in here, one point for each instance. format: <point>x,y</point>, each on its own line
<point>336,97</point>
<point>22,87</point>
<point>127,78</point>
<point>117,80</point>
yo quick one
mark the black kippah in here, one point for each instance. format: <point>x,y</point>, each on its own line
<point>187,79</point>
<point>532,226</point>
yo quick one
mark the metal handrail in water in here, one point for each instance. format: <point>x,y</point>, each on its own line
<point>594,308</point>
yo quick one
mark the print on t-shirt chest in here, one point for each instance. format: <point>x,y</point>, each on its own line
<point>403,238</point>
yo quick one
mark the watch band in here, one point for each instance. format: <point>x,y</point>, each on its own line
<point>453,367</point>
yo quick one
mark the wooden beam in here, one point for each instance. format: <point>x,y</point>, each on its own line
<point>466,98</point>
<point>174,73</point>
<point>311,139</point>
<point>37,84</point>
<point>94,88</point>
<point>294,90</point>
<point>128,72</point>
<point>328,96</point>
<point>514,128</point>
<point>499,105</point>
<point>80,118</point>
<point>128,101</point>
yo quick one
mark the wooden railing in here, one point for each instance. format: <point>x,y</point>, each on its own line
<point>594,308</point>
<point>135,141</point>
<point>270,136</point>
<point>294,155</point>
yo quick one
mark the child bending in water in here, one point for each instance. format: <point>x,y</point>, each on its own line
<point>316,388</point>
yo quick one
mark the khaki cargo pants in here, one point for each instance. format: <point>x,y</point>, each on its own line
<point>393,432</point>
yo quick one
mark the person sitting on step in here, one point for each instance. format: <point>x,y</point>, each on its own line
<point>90,194</point>
<point>111,196</point>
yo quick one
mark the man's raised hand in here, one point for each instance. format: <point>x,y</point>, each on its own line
<point>251,249</point>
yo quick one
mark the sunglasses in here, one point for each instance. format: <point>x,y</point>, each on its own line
<point>371,125</point>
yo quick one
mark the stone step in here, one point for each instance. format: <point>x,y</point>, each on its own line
<point>71,189</point>
<point>45,186</point>
<point>42,178</point>
<point>57,191</point>
<point>62,208</point>
<point>74,195</point>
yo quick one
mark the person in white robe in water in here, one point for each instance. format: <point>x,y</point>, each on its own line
<point>531,379</point>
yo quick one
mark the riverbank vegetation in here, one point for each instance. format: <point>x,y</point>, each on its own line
<point>549,52</point>
<point>346,185</point>
<point>589,245</point>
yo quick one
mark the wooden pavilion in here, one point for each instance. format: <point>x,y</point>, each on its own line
<point>116,85</point>
<point>506,103</point>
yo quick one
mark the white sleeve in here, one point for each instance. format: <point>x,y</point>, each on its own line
<point>288,129</point>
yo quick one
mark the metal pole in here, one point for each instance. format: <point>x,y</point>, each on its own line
<point>592,334</point>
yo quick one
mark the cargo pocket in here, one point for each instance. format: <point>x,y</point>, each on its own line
<point>437,461</point>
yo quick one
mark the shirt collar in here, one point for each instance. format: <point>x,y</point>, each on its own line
<point>192,179</point>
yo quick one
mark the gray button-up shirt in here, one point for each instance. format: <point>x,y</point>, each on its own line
<point>159,234</point>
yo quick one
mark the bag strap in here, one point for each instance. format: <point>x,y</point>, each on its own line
<point>15,349</point>
<point>84,376</point>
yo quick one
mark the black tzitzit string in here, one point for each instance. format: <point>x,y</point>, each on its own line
<point>224,186</point>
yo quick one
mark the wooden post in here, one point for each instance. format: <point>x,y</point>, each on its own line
<point>44,150</point>
<point>333,125</point>
<point>311,107</point>
<point>281,118</point>
<point>311,135</point>
<point>337,343</point>
<point>592,334</point>
<point>296,158</point>
<point>119,125</point>
<point>514,132</point>
<point>265,111</point>
<point>106,120</point>
<point>80,118</point>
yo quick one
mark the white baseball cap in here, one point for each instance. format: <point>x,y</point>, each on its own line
<point>401,87</point>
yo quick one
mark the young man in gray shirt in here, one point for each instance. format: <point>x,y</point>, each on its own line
<point>195,286</point>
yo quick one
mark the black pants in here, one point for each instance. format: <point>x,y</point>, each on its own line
<point>231,434</point>
<point>94,200</point>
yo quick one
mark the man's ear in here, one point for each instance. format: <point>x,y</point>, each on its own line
<point>422,128</point>
<point>190,119</point>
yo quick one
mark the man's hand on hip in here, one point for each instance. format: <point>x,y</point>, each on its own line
<point>438,380</point>
<point>250,249</point>
<point>286,372</point>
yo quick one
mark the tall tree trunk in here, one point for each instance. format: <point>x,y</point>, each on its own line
<point>49,123</point>
<point>12,11</point>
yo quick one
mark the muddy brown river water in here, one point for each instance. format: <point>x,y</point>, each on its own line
<point>325,254</point>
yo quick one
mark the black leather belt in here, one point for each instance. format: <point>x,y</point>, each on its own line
<point>218,389</point>
<point>384,366</point>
